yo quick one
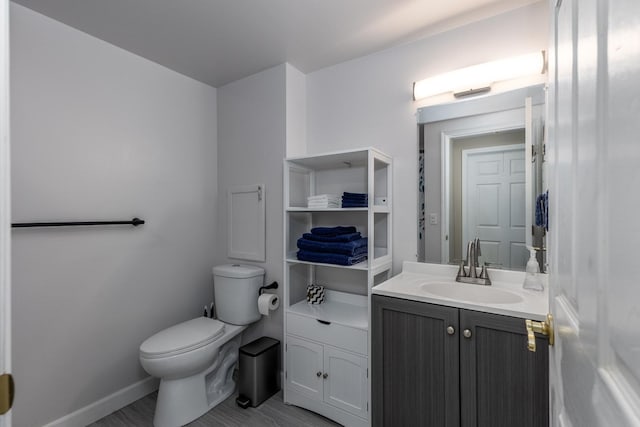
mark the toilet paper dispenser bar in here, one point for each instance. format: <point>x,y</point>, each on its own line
<point>273,285</point>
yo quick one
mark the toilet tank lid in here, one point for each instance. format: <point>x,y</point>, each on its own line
<point>239,271</point>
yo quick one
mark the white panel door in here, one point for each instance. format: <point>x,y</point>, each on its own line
<point>304,367</point>
<point>493,203</point>
<point>346,384</point>
<point>594,108</point>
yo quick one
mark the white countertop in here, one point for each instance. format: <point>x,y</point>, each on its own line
<point>407,285</point>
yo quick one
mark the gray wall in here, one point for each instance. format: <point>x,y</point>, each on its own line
<point>251,146</point>
<point>99,133</point>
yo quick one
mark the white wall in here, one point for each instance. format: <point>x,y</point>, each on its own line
<point>296,112</point>
<point>99,133</point>
<point>368,101</point>
<point>251,146</point>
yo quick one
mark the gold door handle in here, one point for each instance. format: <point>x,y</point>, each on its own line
<point>7,390</point>
<point>544,328</point>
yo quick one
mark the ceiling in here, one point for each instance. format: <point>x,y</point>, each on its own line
<point>220,41</point>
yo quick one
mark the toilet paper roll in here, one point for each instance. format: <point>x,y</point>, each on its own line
<point>268,302</point>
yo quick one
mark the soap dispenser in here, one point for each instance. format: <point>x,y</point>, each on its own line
<point>532,279</point>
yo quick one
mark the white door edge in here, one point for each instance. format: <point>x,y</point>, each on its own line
<point>5,203</point>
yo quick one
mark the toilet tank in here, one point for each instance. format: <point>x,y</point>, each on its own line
<point>235,289</point>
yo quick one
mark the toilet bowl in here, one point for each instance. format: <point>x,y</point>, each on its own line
<point>195,360</point>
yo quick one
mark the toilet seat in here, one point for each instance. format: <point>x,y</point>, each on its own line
<point>182,338</point>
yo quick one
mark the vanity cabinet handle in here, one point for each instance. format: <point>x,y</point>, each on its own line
<point>451,330</point>
<point>318,374</point>
<point>324,322</point>
<point>325,375</point>
<point>467,333</point>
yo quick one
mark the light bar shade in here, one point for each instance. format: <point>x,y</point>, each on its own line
<point>479,78</point>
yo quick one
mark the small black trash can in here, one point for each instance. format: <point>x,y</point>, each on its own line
<point>259,370</point>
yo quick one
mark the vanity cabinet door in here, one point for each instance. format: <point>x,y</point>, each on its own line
<point>415,365</point>
<point>502,383</point>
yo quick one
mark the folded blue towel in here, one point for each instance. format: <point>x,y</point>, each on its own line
<point>327,258</point>
<point>354,247</point>
<point>364,204</point>
<point>354,195</point>
<point>339,238</point>
<point>333,231</point>
<point>542,210</point>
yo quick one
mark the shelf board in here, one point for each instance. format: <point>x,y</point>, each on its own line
<point>327,209</point>
<point>381,209</point>
<point>339,307</point>
<point>375,208</point>
<point>380,263</point>
<point>347,158</point>
<point>364,265</point>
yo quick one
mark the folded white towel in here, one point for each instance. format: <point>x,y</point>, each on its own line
<point>324,202</point>
<point>323,197</point>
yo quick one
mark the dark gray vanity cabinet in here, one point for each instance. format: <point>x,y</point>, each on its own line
<point>435,366</point>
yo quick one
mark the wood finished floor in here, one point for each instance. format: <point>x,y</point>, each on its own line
<point>273,412</point>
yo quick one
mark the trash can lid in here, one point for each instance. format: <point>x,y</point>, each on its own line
<point>254,348</point>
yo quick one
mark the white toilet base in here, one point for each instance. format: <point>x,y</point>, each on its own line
<point>182,400</point>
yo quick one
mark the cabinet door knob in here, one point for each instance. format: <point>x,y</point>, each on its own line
<point>318,374</point>
<point>467,333</point>
<point>451,330</point>
<point>325,375</point>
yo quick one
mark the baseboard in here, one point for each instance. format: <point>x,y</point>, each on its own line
<point>107,405</point>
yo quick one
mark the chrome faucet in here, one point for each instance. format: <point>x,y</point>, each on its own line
<point>470,274</point>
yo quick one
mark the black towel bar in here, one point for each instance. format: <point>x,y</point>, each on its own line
<point>135,222</point>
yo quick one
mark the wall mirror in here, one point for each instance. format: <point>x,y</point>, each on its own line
<point>482,174</point>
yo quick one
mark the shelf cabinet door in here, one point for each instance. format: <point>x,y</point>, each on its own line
<point>415,364</point>
<point>502,383</point>
<point>346,384</point>
<point>304,367</point>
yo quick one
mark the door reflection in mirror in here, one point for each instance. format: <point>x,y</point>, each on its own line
<point>488,197</point>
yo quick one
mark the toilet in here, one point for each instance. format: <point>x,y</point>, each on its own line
<point>195,360</point>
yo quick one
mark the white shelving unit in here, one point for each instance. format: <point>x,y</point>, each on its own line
<point>327,346</point>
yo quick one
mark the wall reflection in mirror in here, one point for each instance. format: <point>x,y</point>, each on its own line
<point>482,175</point>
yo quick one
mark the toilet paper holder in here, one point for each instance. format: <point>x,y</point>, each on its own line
<point>273,285</point>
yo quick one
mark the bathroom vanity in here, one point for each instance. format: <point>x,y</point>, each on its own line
<point>452,354</point>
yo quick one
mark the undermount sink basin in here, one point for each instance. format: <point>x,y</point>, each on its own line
<point>471,293</point>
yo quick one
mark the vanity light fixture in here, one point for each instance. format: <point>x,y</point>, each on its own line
<point>479,78</point>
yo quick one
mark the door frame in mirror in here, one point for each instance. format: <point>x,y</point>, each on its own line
<point>446,139</point>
